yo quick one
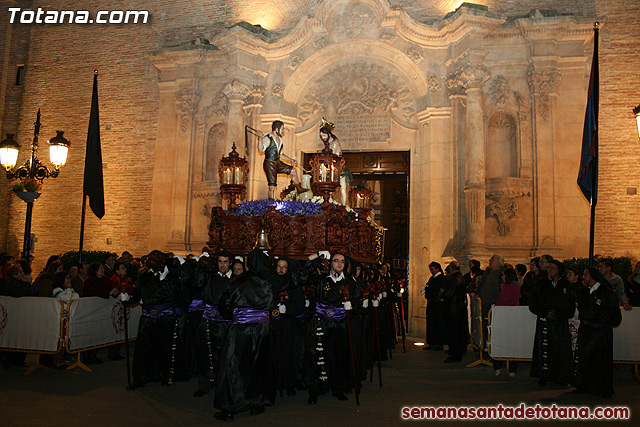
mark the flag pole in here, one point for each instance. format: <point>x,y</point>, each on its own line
<point>594,173</point>
<point>84,209</point>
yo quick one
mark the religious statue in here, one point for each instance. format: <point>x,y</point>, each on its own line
<point>333,143</point>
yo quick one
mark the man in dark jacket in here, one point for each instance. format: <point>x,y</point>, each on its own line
<point>455,312</point>
<point>433,291</point>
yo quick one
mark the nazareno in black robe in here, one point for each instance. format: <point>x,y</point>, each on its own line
<point>599,313</point>
<point>553,306</point>
<point>245,378</point>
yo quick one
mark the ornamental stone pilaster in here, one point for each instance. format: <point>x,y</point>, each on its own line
<point>544,84</point>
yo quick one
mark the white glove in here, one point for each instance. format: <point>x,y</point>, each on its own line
<point>307,303</point>
<point>266,252</point>
<point>384,294</point>
<point>375,302</point>
<point>204,254</point>
<point>282,308</point>
<point>379,297</point>
<point>347,305</point>
<point>399,295</point>
<point>180,258</point>
<point>421,291</point>
<point>365,303</point>
<point>124,297</point>
<point>324,254</point>
<point>238,257</point>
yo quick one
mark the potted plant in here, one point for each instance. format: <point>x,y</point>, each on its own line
<point>28,189</point>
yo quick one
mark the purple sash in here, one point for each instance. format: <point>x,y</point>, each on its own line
<point>196,305</point>
<point>211,312</point>
<point>158,310</point>
<point>244,315</point>
<point>330,313</point>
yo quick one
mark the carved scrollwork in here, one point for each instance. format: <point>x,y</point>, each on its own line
<point>415,54</point>
<point>255,96</point>
<point>467,77</point>
<point>354,21</point>
<point>499,90</point>
<point>503,211</point>
<point>278,90</point>
<point>236,89</point>
<point>320,42</point>
<point>544,84</point>
<point>433,83</point>
<point>187,100</point>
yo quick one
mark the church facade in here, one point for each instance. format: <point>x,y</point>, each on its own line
<point>487,99</point>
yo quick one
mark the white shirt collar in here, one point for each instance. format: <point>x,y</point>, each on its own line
<point>594,287</point>
<point>437,274</point>
<point>227,274</point>
<point>337,279</point>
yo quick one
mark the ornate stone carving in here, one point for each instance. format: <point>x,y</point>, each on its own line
<point>352,23</point>
<point>415,54</point>
<point>544,84</point>
<point>357,88</point>
<point>502,188</point>
<point>296,59</point>
<point>219,106</point>
<point>499,90</point>
<point>255,96</point>
<point>388,36</point>
<point>186,103</point>
<point>278,90</point>
<point>236,89</point>
<point>503,211</point>
<point>433,83</point>
<point>320,42</point>
<point>524,106</point>
<point>467,77</point>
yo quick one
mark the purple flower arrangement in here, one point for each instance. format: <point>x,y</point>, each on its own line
<point>287,208</point>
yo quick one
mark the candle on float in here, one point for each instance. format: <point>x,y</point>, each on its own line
<point>227,176</point>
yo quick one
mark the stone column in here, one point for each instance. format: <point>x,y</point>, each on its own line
<point>470,78</point>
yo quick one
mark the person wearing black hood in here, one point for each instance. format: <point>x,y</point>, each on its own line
<point>553,302</point>
<point>455,312</point>
<point>155,349</point>
<point>599,314</point>
<point>245,380</point>
<point>288,344</point>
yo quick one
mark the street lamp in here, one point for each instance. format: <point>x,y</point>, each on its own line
<point>636,112</point>
<point>233,171</point>
<point>31,171</point>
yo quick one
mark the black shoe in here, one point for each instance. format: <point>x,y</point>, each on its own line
<point>340,395</point>
<point>61,366</point>
<point>223,415</point>
<point>427,347</point>
<point>96,361</point>
<point>291,392</point>
<point>118,357</point>
<point>542,382</point>
<point>437,347</point>
<point>579,391</point>
<point>256,411</point>
<point>312,400</point>
<point>199,393</point>
<point>453,359</point>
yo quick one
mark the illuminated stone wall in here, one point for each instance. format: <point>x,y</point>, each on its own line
<point>488,100</point>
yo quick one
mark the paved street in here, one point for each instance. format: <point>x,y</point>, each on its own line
<point>417,378</point>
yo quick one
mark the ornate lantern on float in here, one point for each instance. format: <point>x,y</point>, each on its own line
<point>360,199</point>
<point>326,168</point>
<point>233,171</point>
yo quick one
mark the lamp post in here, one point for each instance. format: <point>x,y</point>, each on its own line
<point>31,171</point>
<point>233,171</point>
<point>636,112</point>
